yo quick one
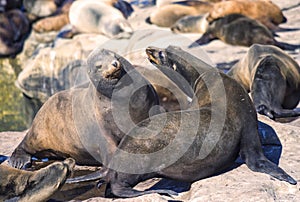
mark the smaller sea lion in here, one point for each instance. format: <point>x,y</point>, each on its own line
<point>167,15</point>
<point>237,29</point>
<point>265,12</point>
<point>190,24</point>
<point>39,185</point>
<point>14,29</point>
<point>67,119</point>
<point>89,16</point>
<point>273,79</point>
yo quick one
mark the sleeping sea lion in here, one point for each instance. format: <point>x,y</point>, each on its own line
<point>236,29</point>
<point>265,12</point>
<point>89,16</point>
<point>61,127</point>
<point>190,24</point>
<point>192,144</point>
<point>23,186</point>
<point>14,29</point>
<point>273,79</point>
<point>167,15</point>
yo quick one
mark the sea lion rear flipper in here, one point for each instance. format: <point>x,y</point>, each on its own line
<point>204,39</point>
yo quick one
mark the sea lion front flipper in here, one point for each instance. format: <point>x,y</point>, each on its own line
<point>89,177</point>
<point>20,159</point>
<point>204,39</point>
<point>127,192</point>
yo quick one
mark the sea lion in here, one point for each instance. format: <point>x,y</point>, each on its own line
<point>273,79</point>
<point>61,126</point>
<point>60,18</point>
<point>236,29</point>
<point>14,29</point>
<point>265,12</point>
<point>39,185</point>
<point>220,124</point>
<point>55,22</point>
<point>190,24</point>
<point>89,16</point>
<point>167,15</point>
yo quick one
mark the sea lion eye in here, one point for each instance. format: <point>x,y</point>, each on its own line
<point>161,55</point>
<point>115,63</point>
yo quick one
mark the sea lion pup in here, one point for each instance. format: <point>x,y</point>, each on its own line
<point>190,24</point>
<point>89,16</point>
<point>265,12</point>
<point>39,185</point>
<point>14,29</point>
<point>69,119</point>
<point>220,124</point>
<point>236,29</point>
<point>167,15</point>
<point>273,79</point>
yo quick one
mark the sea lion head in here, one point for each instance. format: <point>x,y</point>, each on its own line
<point>105,69</point>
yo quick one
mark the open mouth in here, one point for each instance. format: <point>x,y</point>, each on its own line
<point>150,53</point>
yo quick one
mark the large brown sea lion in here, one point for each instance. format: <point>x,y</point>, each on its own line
<point>14,29</point>
<point>23,186</point>
<point>167,15</point>
<point>265,12</point>
<point>192,144</point>
<point>236,29</point>
<point>273,79</point>
<point>62,126</point>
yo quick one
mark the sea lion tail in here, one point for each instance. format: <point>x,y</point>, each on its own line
<point>89,177</point>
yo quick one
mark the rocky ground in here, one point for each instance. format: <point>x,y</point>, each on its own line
<point>239,184</point>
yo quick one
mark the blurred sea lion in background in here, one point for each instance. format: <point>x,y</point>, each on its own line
<point>191,24</point>
<point>265,11</point>
<point>89,16</point>
<point>273,79</point>
<point>167,15</point>
<point>14,29</point>
<point>56,22</point>
<point>237,29</point>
